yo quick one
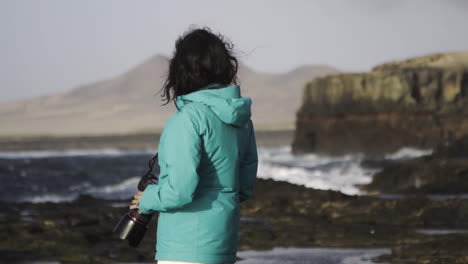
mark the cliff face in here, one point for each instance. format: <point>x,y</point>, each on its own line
<point>414,103</point>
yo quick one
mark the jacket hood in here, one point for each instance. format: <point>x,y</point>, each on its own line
<point>227,103</point>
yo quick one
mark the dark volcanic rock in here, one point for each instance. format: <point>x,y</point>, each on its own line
<point>443,172</point>
<point>452,149</point>
<point>446,249</point>
<point>280,215</point>
<point>418,103</point>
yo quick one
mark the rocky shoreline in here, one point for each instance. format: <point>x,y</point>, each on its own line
<point>280,214</point>
<point>416,227</point>
<point>445,171</point>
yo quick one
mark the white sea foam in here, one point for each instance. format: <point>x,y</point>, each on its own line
<point>121,190</point>
<point>339,173</point>
<point>406,153</point>
<point>314,171</point>
<point>54,198</point>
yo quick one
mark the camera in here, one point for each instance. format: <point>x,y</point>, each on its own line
<point>132,226</point>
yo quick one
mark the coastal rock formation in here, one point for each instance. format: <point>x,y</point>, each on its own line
<point>443,172</point>
<point>415,103</point>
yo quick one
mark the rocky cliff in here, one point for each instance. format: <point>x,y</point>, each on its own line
<point>414,103</point>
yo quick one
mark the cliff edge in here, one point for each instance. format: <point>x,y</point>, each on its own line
<point>418,102</point>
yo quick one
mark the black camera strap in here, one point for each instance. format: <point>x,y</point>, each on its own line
<point>149,177</point>
<point>151,163</point>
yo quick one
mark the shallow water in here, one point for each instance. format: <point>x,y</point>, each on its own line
<point>311,255</point>
<point>430,231</point>
<point>300,256</point>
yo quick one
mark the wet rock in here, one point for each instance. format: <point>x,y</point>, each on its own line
<point>77,221</point>
<point>279,215</point>
<point>17,256</point>
<point>456,149</point>
<point>443,172</point>
<point>442,249</point>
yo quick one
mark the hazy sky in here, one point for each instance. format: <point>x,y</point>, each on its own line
<point>54,45</point>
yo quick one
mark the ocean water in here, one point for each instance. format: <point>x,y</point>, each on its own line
<point>56,176</point>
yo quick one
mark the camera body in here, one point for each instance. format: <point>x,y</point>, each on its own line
<point>133,225</point>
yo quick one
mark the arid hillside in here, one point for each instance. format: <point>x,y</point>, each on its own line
<point>128,103</point>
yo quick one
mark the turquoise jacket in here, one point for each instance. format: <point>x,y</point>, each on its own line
<point>208,160</point>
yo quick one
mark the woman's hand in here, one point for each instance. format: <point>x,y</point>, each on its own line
<point>136,199</point>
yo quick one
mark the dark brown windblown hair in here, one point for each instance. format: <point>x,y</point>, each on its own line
<point>200,58</point>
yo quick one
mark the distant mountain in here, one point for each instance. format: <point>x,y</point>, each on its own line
<point>128,103</point>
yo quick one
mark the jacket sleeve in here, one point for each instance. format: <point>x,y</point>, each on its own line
<point>248,167</point>
<point>182,147</point>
